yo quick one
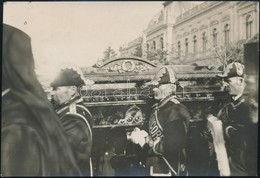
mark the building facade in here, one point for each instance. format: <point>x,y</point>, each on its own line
<point>131,48</point>
<point>194,30</point>
<point>210,25</point>
<point>159,32</point>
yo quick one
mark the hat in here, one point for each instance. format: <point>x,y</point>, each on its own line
<point>164,76</point>
<point>234,69</point>
<point>68,77</point>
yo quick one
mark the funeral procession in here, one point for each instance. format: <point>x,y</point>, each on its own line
<point>130,88</point>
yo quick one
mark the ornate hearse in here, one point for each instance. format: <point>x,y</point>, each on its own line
<point>119,102</point>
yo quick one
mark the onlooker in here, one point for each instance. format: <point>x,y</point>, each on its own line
<point>238,128</point>
<point>32,137</point>
<point>167,133</point>
<point>75,117</point>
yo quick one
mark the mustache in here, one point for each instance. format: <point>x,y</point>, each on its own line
<point>226,88</point>
<point>54,102</point>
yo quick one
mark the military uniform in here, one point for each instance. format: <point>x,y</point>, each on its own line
<point>75,117</point>
<point>240,136</point>
<point>168,129</point>
<point>77,122</point>
<point>240,133</point>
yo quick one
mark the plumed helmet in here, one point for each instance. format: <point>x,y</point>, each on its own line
<point>68,77</point>
<point>234,69</point>
<point>164,76</point>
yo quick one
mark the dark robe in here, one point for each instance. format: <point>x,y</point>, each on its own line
<point>33,142</point>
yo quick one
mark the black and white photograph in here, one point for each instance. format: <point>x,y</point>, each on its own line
<point>130,88</point>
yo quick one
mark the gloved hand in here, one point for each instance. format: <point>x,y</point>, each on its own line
<point>138,136</point>
<point>212,118</point>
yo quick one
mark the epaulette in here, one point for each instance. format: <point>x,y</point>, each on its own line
<point>174,100</point>
<point>71,110</point>
<point>167,99</point>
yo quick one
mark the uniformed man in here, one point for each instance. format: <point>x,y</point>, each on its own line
<point>75,117</point>
<point>167,134</point>
<point>238,128</point>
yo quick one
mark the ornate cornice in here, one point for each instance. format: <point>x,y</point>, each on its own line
<point>185,34</point>
<point>214,22</point>
<point>150,31</point>
<point>197,10</point>
<point>202,27</point>
<point>194,30</point>
<point>225,17</point>
<point>178,36</point>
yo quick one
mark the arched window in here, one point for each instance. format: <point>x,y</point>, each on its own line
<point>204,41</point>
<point>194,44</point>
<point>227,33</point>
<point>215,37</point>
<point>179,48</point>
<point>249,25</point>
<point>186,46</point>
<point>161,41</point>
<point>154,45</point>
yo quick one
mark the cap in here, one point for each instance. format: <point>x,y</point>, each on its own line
<point>67,77</point>
<point>164,76</point>
<point>234,69</point>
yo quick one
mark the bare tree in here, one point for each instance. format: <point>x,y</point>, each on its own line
<point>138,51</point>
<point>229,52</point>
<point>158,55</point>
<point>178,56</point>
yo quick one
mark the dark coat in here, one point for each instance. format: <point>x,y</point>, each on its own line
<point>77,122</point>
<point>241,143</point>
<point>25,147</point>
<point>169,121</point>
<point>33,142</point>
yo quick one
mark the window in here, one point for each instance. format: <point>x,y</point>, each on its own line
<point>179,48</point>
<point>161,40</point>
<point>186,46</point>
<point>204,41</point>
<point>154,45</point>
<point>194,44</point>
<point>215,37</point>
<point>249,25</point>
<point>147,46</point>
<point>226,33</point>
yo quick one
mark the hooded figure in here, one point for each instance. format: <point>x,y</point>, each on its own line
<point>33,142</point>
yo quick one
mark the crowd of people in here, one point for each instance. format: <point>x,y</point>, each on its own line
<point>38,139</point>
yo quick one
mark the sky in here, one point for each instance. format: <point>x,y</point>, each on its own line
<point>77,33</point>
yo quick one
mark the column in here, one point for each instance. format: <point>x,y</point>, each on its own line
<point>169,37</point>
<point>234,30</point>
<point>144,46</point>
<point>169,41</point>
<point>220,31</point>
<point>255,21</point>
